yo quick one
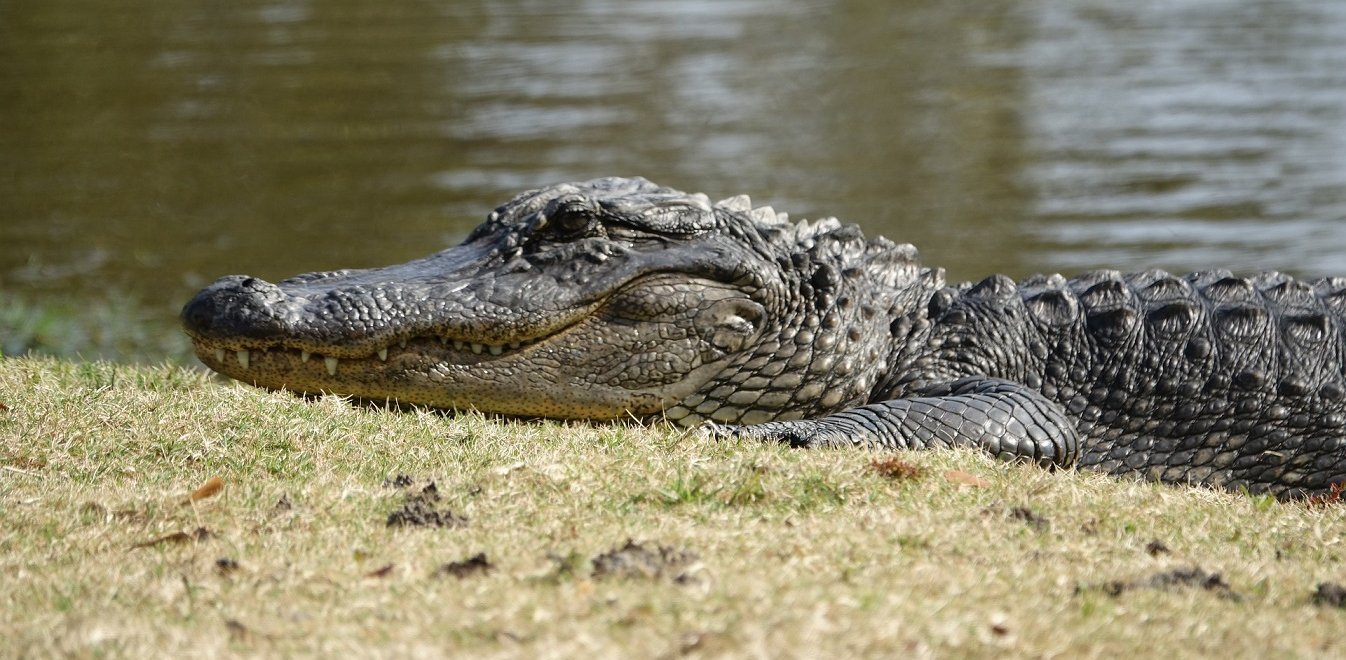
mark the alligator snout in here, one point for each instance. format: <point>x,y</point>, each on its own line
<point>236,307</point>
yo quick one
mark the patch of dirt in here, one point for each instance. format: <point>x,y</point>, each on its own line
<point>640,561</point>
<point>1330,498</point>
<point>241,633</point>
<point>1330,594</point>
<point>420,513</point>
<point>896,469</point>
<point>1036,521</point>
<point>399,481</point>
<point>237,631</point>
<point>198,534</point>
<point>418,510</point>
<point>1156,547</point>
<point>226,565</point>
<point>1089,527</point>
<point>1033,519</point>
<point>475,565</point>
<point>1192,576</point>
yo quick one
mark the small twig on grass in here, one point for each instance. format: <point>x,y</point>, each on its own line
<point>26,473</point>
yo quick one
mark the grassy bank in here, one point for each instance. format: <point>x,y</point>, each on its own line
<point>107,326</point>
<point>156,510</point>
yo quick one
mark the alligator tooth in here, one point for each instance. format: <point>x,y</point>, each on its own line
<point>331,365</point>
<point>219,355</point>
<point>243,359</point>
<point>515,344</point>
<point>458,344</point>
<point>497,350</point>
<point>304,356</point>
<point>383,354</point>
<point>403,342</point>
<point>477,348</point>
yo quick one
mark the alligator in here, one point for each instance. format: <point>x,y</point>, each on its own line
<point>618,298</point>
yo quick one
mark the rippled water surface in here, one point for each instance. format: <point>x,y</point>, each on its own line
<point>150,147</point>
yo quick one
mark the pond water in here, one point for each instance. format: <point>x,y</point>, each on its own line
<point>148,148</point>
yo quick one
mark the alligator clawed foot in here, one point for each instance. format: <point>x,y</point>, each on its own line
<point>717,431</point>
<point>807,434</point>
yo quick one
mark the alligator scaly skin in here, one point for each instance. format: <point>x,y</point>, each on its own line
<point>1205,378</point>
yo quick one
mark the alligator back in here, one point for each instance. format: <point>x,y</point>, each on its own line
<point>1206,378</point>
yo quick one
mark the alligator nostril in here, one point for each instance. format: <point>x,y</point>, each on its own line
<point>234,306</point>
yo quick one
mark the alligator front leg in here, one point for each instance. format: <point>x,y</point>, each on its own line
<point>1008,420</point>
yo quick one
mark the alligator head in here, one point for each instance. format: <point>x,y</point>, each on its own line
<point>600,299</point>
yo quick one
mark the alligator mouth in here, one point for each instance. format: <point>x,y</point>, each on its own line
<point>300,353</point>
<point>441,348</point>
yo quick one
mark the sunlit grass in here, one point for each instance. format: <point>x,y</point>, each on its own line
<point>740,549</point>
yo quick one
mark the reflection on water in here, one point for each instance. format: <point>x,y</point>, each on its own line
<point>1205,131</point>
<point>153,148</point>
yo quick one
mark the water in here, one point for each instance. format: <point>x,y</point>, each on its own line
<point>148,148</point>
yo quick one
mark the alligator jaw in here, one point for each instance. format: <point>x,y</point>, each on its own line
<point>512,378</point>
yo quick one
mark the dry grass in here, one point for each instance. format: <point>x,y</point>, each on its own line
<point>116,542</point>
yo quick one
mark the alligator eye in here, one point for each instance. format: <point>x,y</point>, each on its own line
<point>571,221</point>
